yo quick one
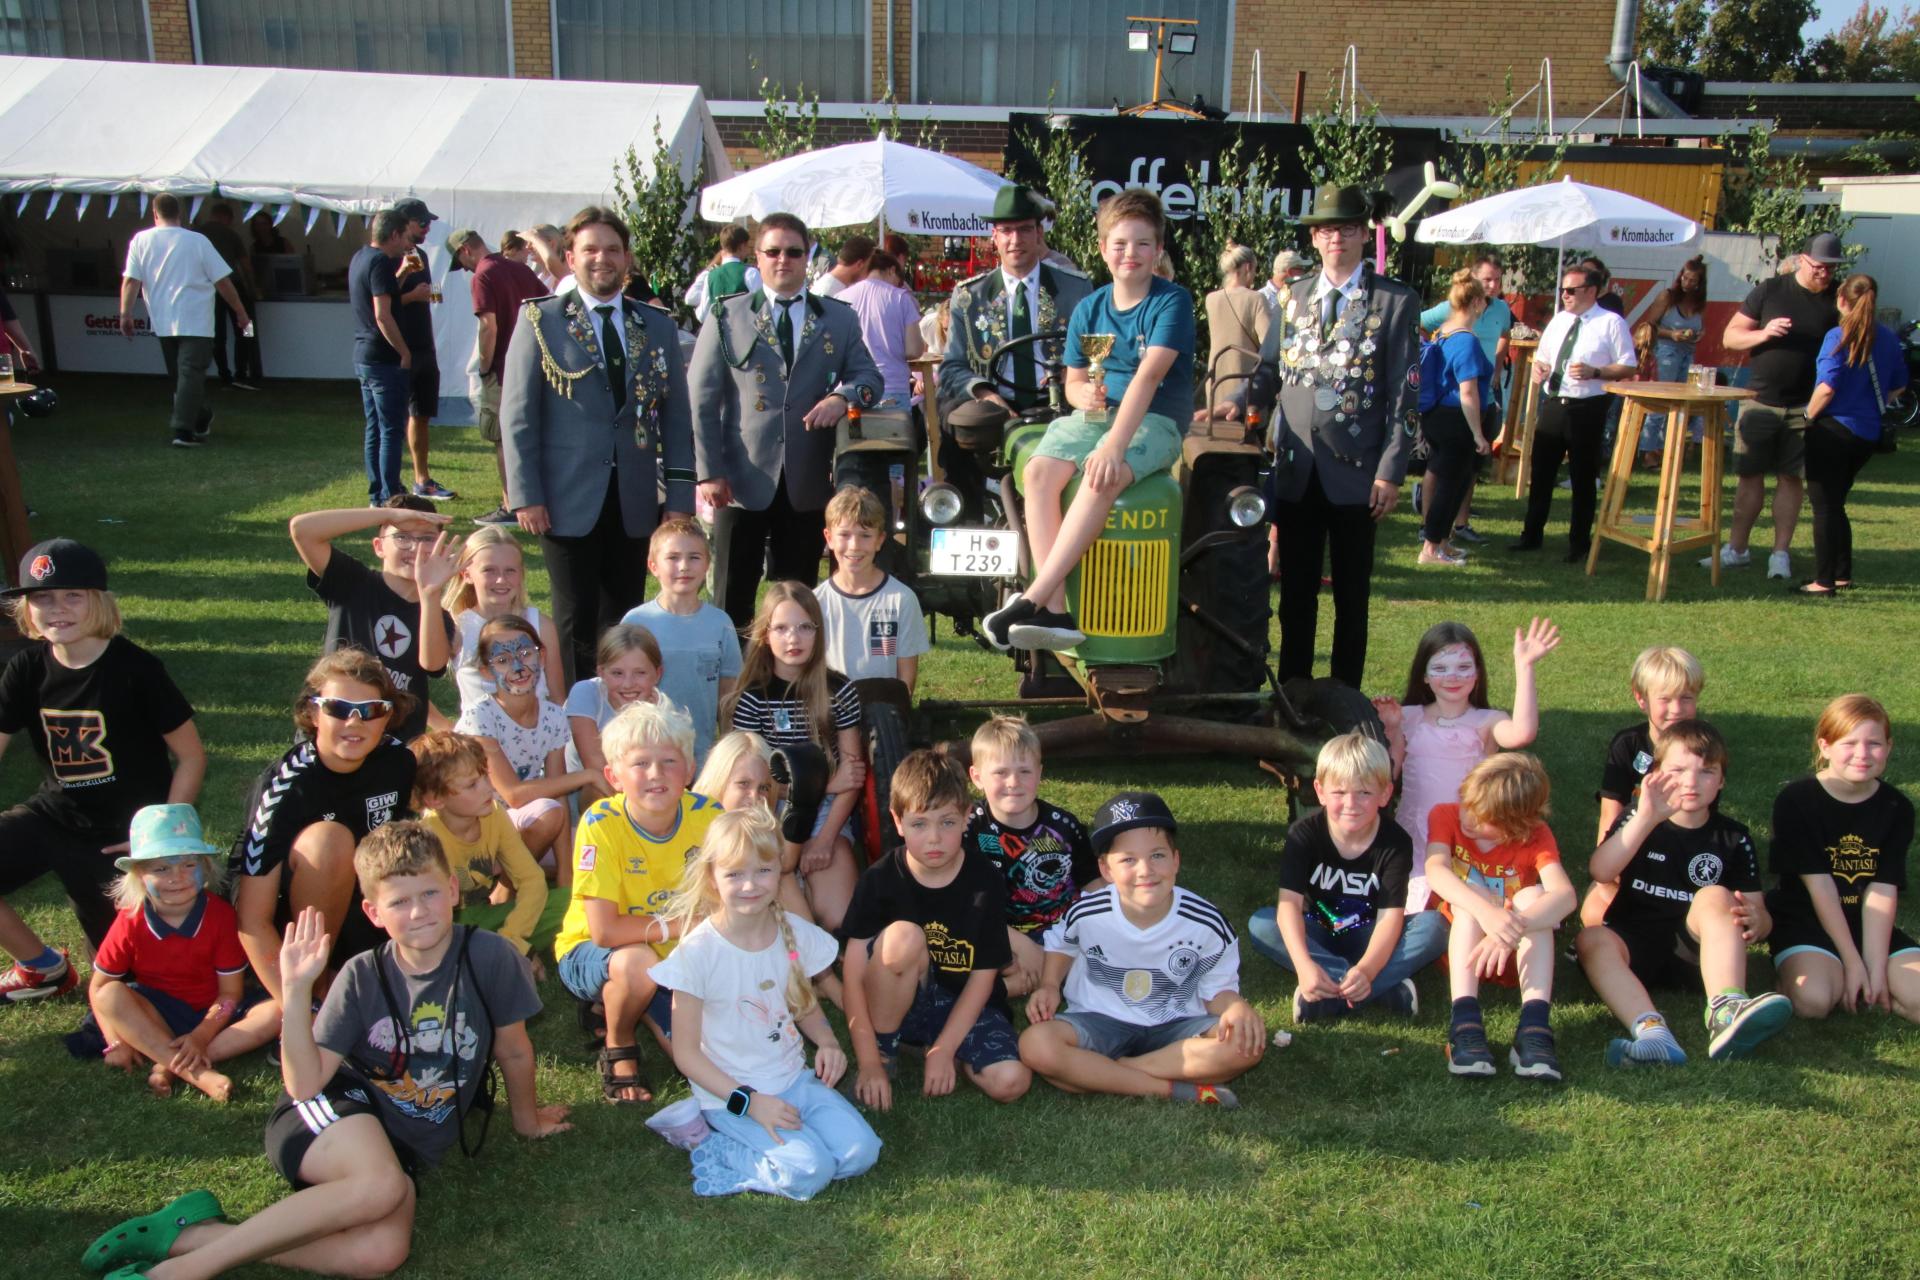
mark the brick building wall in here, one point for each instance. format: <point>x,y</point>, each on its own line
<point>902,50</point>
<point>172,29</point>
<point>532,39</point>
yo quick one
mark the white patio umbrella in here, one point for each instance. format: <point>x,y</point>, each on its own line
<point>916,191</point>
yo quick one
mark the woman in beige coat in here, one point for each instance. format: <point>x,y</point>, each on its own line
<point>1236,317</point>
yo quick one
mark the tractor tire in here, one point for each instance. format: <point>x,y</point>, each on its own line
<point>887,746</point>
<point>1335,708</point>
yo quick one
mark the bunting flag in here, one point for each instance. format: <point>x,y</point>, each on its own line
<point>339,224</point>
<point>193,214</point>
<point>143,204</point>
<point>280,214</point>
<point>24,197</point>
<point>252,209</point>
<point>53,203</point>
<point>313,216</point>
<point>86,198</point>
<point>113,203</point>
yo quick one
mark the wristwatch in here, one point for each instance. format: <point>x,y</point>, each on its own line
<point>737,1100</point>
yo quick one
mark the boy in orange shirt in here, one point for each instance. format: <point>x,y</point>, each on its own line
<point>1493,863</point>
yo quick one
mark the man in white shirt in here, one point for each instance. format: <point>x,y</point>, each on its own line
<point>1288,266</point>
<point>1584,347</point>
<point>849,268</point>
<point>179,270</point>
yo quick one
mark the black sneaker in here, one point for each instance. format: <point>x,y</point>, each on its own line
<point>1467,1052</point>
<point>1045,629</point>
<point>187,442</point>
<point>998,625</point>
<point>1533,1055</point>
<point>1401,997</point>
<point>1526,543</point>
<point>499,515</point>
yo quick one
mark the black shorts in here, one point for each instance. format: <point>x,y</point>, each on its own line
<point>1661,954</point>
<point>293,1126</point>
<point>32,844</point>
<point>423,386</point>
<point>1793,933</point>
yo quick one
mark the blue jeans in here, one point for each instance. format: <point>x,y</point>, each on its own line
<point>833,1141</point>
<point>1672,360</point>
<point>383,400</point>
<point>1422,941</point>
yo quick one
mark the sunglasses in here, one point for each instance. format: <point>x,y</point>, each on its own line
<point>789,251</point>
<point>347,708</point>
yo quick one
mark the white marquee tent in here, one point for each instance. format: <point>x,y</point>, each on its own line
<point>483,153</point>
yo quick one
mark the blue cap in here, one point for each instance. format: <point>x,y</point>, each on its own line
<point>162,831</point>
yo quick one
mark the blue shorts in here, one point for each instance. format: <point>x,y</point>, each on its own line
<point>1114,1038</point>
<point>585,969</point>
<point>86,1041</point>
<point>989,1040</point>
<point>1155,444</point>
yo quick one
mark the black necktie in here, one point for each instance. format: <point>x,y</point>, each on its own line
<point>1020,326</point>
<point>1560,361</point>
<point>1329,312</point>
<point>783,329</point>
<point>616,348</point>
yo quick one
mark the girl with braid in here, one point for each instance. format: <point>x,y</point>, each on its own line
<point>742,1001</point>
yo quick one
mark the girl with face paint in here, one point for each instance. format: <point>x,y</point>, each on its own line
<point>526,739</point>
<point>169,981</point>
<point>1443,726</point>
<point>490,581</point>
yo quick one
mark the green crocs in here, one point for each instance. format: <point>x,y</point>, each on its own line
<point>144,1240</point>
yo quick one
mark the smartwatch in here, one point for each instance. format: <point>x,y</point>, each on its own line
<point>738,1100</point>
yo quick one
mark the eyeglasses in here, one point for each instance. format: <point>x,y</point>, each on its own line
<point>793,632</point>
<point>509,655</point>
<point>1345,230</point>
<point>786,251</point>
<point>410,539</point>
<point>348,709</point>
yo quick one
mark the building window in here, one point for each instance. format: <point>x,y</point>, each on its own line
<point>424,37</point>
<point>1015,53</point>
<point>725,48</point>
<point>115,30</point>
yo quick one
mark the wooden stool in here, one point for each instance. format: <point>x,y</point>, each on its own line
<point>1679,401</point>
<point>1523,410</point>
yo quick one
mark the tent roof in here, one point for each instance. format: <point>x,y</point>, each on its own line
<point>350,142</point>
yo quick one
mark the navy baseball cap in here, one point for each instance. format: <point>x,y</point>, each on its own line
<point>1128,811</point>
<point>59,564</point>
<point>414,209</point>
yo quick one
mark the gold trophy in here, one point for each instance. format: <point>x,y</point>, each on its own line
<point>1096,347</point>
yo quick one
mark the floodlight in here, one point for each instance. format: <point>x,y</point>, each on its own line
<point>1139,40</point>
<point>1182,41</point>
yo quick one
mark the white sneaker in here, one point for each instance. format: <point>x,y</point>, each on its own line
<point>1729,558</point>
<point>1780,565</point>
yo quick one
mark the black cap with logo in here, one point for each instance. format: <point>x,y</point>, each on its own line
<point>1126,812</point>
<point>59,564</point>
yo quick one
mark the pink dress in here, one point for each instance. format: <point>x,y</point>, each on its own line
<point>1438,759</point>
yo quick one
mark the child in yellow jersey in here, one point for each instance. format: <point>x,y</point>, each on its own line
<point>628,855</point>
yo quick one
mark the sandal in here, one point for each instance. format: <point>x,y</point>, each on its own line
<point>613,1086</point>
<point>141,1240</point>
<point>593,1021</point>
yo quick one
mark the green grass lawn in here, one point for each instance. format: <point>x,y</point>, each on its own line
<point>1354,1154</point>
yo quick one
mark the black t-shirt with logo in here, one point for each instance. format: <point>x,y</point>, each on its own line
<point>1629,759</point>
<point>363,612</point>
<point>1047,864</point>
<point>1857,844</point>
<point>1674,862</point>
<point>965,922</point>
<point>1346,894</point>
<point>371,275</point>
<point>99,733</point>
<point>1783,368</point>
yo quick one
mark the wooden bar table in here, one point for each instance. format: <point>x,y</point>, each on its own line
<point>1671,398</point>
<point>1523,410</point>
<point>13,507</point>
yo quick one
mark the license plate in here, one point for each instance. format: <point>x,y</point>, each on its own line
<point>976,553</point>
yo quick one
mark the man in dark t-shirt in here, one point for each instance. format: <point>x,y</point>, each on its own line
<point>1782,323</point>
<point>380,356</point>
<point>500,288</point>
<point>245,371</point>
<point>416,326</point>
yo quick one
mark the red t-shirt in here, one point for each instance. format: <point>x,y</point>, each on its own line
<point>186,963</point>
<point>500,286</point>
<point>1505,869</point>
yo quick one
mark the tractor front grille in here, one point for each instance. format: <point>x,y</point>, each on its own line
<point>1123,589</point>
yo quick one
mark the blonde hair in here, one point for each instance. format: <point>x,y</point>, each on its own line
<point>856,506</point>
<point>1463,291</point>
<point>1234,259</point>
<point>404,848</point>
<point>459,595</point>
<point>644,724</point>
<point>1845,714</point>
<point>1508,791</point>
<point>129,892</point>
<point>1665,668</point>
<point>756,666</point>
<point>442,757</point>
<point>1353,758</point>
<point>623,638</point>
<point>677,527</point>
<point>1005,738</point>
<point>725,758</point>
<point>927,780</point>
<point>737,836</point>
<point>102,620</point>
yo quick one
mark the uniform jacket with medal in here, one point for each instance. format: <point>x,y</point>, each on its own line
<point>748,427</point>
<point>980,316</point>
<point>561,434</point>
<point>1348,399</point>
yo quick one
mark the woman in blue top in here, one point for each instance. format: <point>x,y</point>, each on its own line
<point>1455,377</point>
<point>1860,368</point>
<point>1492,328</point>
<point>1678,317</point>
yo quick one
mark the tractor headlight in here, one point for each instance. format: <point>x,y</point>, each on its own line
<point>941,504</point>
<point>1246,507</point>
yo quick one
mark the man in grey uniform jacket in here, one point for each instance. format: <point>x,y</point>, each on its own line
<point>773,371</point>
<point>1344,355</point>
<point>594,424</point>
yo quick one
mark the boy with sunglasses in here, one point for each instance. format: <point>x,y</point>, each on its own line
<point>395,613</point>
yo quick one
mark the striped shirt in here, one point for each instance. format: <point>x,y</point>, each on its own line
<point>776,712</point>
